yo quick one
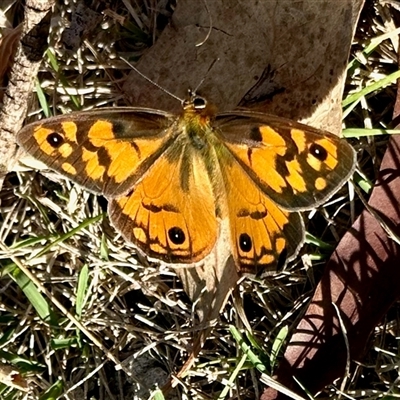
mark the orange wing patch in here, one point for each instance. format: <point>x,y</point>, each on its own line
<point>124,155</point>
<point>171,212</point>
<point>297,166</point>
<point>88,150</point>
<point>70,129</point>
<point>68,168</point>
<point>261,159</point>
<point>94,170</point>
<point>260,231</point>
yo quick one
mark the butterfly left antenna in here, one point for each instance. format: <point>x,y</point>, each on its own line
<point>151,81</point>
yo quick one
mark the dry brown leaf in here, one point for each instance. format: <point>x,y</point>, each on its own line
<point>10,376</point>
<point>8,45</point>
<point>300,48</point>
<point>304,44</point>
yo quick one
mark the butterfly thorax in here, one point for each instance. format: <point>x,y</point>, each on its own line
<point>195,119</point>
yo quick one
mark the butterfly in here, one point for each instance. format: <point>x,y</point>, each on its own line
<point>171,179</point>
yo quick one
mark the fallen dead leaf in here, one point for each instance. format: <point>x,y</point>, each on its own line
<point>299,42</point>
<point>293,52</point>
<point>8,45</point>
<point>10,376</point>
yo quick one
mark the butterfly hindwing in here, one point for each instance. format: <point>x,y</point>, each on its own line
<point>170,214</point>
<point>264,237</point>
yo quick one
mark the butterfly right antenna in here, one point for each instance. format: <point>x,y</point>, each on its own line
<point>151,81</point>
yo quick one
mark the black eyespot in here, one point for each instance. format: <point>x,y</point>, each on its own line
<point>245,242</point>
<point>199,103</point>
<point>255,134</point>
<point>55,140</point>
<point>176,235</point>
<point>318,152</point>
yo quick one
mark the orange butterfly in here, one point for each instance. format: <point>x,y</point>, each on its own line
<point>171,180</point>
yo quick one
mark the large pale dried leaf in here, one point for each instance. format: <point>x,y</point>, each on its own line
<point>304,45</point>
<point>298,48</point>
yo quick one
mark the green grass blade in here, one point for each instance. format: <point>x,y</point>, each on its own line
<point>277,345</point>
<point>253,358</point>
<point>38,302</point>
<point>81,290</point>
<point>71,233</point>
<point>42,100</point>
<point>157,395</point>
<point>363,132</point>
<point>355,97</point>
<point>54,64</point>
<point>53,392</point>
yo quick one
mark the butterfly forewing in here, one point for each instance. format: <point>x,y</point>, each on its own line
<point>297,166</point>
<point>104,151</point>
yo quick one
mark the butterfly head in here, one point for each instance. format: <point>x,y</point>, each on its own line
<point>197,106</point>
